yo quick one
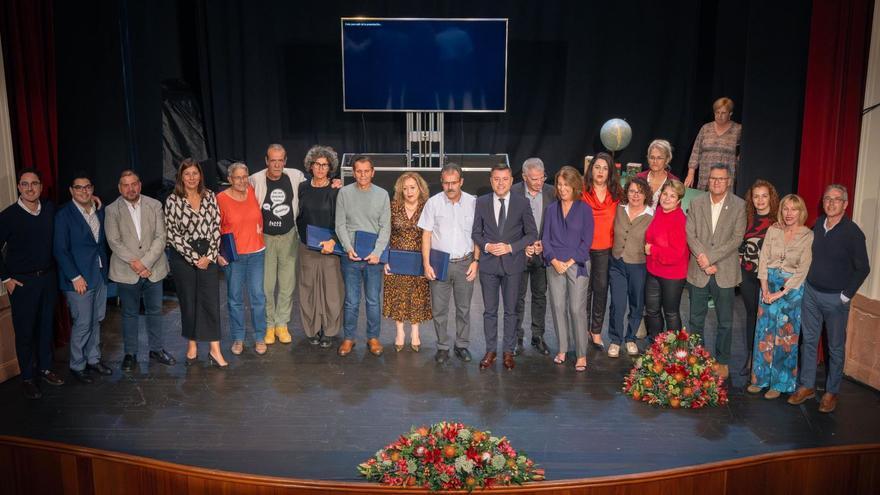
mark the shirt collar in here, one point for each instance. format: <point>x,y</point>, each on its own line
<point>83,211</point>
<point>723,199</point>
<point>506,197</point>
<point>25,208</point>
<point>649,210</point>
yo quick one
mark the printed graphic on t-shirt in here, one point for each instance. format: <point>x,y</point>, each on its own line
<point>277,211</point>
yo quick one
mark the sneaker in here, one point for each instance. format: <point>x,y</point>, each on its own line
<point>613,350</point>
<point>283,335</point>
<point>632,349</point>
<point>269,339</point>
<point>237,347</point>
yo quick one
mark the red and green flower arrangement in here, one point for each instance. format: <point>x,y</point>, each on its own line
<point>450,456</point>
<point>676,371</point>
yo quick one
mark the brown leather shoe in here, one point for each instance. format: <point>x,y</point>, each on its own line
<point>345,347</point>
<point>801,395</point>
<point>375,347</point>
<point>509,363</point>
<point>828,403</point>
<point>488,360</point>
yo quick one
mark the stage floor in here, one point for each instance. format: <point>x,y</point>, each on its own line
<point>301,411</point>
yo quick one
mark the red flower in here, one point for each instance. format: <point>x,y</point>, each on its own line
<point>433,456</point>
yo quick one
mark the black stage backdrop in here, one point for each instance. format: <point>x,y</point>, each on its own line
<point>270,71</point>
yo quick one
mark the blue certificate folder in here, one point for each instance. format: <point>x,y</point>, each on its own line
<point>227,247</point>
<point>410,263</point>
<point>316,235</point>
<point>365,242</point>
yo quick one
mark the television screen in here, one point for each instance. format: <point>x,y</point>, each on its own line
<point>424,65</point>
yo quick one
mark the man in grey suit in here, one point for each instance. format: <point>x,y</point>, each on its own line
<point>503,227</point>
<point>135,229</point>
<point>715,226</point>
<point>539,195</point>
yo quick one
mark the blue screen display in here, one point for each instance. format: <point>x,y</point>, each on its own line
<point>432,65</point>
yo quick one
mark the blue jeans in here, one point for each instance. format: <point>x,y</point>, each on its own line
<point>246,273</point>
<point>354,273</point>
<point>130,299</point>
<point>87,312</point>
<point>627,289</point>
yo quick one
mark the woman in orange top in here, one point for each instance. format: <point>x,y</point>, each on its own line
<point>602,192</point>
<point>240,215</point>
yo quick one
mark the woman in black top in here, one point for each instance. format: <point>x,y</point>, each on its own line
<point>318,274</point>
<point>762,203</point>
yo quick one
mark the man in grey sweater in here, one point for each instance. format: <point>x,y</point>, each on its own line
<point>365,207</point>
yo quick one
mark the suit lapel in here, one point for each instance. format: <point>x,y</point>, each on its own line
<point>81,221</point>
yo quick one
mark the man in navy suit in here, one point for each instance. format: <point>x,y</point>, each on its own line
<point>503,227</point>
<point>79,249</point>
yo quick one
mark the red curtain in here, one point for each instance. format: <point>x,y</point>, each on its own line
<point>29,55</point>
<point>836,67</point>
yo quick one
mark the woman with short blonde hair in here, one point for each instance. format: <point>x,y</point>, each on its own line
<point>717,142</point>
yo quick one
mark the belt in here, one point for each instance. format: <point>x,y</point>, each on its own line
<point>37,273</point>
<point>463,258</point>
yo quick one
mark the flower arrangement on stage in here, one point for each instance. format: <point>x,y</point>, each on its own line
<point>450,456</point>
<point>676,371</point>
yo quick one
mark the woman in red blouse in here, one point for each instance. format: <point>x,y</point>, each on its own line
<point>602,192</point>
<point>667,261</point>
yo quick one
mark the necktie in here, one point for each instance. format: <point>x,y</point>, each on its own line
<point>502,217</point>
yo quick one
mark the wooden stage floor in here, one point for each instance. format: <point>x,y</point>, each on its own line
<point>303,412</point>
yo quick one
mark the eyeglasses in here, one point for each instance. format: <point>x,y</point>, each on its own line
<point>635,191</point>
<point>240,177</point>
<point>719,179</point>
<point>79,187</point>
<point>535,179</point>
<point>320,165</point>
<point>829,199</point>
<point>26,185</point>
<point>450,183</point>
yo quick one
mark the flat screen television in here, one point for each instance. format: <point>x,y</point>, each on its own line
<point>424,65</point>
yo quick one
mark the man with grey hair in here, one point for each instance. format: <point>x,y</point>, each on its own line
<point>276,190</point>
<point>716,222</point>
<point>840,265</point>
<point>135,228</point>
<point>535,189</point>
<point>446,223</point>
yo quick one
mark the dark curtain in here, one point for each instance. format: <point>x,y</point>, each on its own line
<point>271,72</point>
<point>839,37</point>
<point>29,56</point>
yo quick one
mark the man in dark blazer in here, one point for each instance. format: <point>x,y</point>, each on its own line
<point>503,227</point>
<point>536,191</point>
<point>79,249</point>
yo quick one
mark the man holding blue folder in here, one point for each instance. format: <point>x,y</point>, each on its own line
<point>362,207</point>
<point>446,222</point>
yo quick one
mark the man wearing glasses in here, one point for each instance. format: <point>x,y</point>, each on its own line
<point>840,265</point>
<point>715,226</point>
<point>28,274</point>
<point>82,274</point>
<point>539,194</point>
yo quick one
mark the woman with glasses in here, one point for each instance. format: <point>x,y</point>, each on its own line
<point>658,174</point>
<point>192,223</point>
<point>627,273</point>
<point>319,278</point>
<point>717,142</point>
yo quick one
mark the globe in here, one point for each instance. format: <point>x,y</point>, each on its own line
<point>615,134</point>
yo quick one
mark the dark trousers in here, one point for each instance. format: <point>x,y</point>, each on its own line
<point>627,290</point>
<point>819,307</point>
<point>597,291</point>
<point>536,275</point>
<point>509,286</point>
<point>32,305</point>
<point>198,292</point>
<point>130,299</point>
<point>662,303</point>
<point>723,297</point>
<point>751,291</point>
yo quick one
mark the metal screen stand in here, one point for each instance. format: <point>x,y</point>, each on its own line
<point>424,139</point>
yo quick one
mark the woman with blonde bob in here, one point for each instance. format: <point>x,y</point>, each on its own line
<point>566,237</point>
<point>658,174</point>
<point>782,268</point>
<point>407,297</point>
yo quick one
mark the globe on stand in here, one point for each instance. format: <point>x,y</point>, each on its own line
<point>615,135</point>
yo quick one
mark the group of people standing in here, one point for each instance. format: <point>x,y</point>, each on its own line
<point>579,240</point>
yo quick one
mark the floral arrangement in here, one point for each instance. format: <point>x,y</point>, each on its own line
<point>450,456</point>
<point>676,371</point>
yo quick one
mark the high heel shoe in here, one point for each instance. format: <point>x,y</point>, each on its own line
<point>398,348</point>
<point>415,347</point>
<point>190,361</point>
<point>215,363</point>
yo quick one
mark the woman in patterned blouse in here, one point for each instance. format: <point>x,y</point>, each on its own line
<point>717,142</point>
<point>192,221</point>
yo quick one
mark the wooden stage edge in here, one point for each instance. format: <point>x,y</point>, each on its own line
<point>36,467</point>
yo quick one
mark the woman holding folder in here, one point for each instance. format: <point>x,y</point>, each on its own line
<point>242,255</point>
<point>407,297</point>
<point>319,278</point>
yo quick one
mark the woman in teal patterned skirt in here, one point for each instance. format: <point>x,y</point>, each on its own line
<point>782,267</point>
